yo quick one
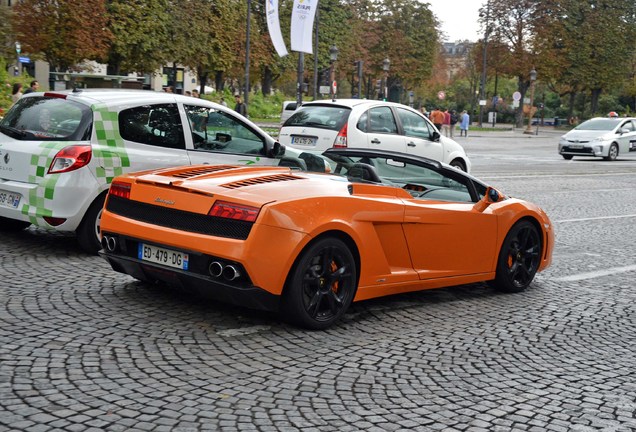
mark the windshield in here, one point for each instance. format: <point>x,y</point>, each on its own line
<point>421,179</point>
<point>598,125</point>
<point>45,118</point>
<point>320,116</point>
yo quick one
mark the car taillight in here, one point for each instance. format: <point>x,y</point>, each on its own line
<point>119,189</point>
<point>71,158</point>
<point>341,139</point>
<point>228,210</point>
<point>55,95</point>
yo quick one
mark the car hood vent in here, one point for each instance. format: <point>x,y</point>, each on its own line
<point>261,180</point>
<point>189,173</point>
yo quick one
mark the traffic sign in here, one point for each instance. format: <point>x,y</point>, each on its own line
<point>441,95</point>
<point>334,86</point>
<point>516,96</point>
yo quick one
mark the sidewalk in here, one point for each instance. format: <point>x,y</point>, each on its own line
<point>503,130</point>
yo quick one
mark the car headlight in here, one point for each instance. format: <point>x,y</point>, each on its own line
<point>599,139</point>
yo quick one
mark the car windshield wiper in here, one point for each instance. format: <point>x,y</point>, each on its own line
<point>13,130</point>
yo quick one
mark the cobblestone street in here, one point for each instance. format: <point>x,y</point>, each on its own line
<point>83,348</point>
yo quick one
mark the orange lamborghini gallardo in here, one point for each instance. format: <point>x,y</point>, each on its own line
<point>307,244</point>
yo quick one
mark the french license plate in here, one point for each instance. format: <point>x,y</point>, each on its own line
<point>632,146</point>
<point>163,256</point>
<point>576,146</point>
<point>307,141</point>
<point>9,199</point>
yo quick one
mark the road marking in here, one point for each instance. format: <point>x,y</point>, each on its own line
<point>596,218</point>
<point>595,274</point>
<point>531,176</point>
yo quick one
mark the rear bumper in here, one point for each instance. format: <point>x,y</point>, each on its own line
<point>242,294</point>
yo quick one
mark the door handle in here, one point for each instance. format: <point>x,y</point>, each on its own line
<point>375,141</point>
<point>411,144</point>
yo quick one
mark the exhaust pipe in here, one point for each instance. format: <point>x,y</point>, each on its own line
<point>230,273</point>
<point>109,243</point>
<point>215,269</point>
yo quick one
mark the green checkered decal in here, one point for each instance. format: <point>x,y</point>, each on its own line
<point>40,199</point>
<point>109,158</point>
<point>110,153</point>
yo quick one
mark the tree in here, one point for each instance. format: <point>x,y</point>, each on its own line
<point>139,35</point>
<point>66,32</point>
<point>587,45</point>
<point>512,23</point>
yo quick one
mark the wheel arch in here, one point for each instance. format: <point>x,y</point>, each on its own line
<point>535,222</point>
<point>340,235</point>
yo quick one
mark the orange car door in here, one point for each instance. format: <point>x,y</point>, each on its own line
<point>447,239</point>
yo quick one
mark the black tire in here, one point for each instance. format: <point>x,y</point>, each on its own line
<point>519,258</point>
<point>456,163</point>
<point>88,232</point>
<point>612,154</point>
<point>567,157</point>
<point>321,285</point>
<point>7,224</point>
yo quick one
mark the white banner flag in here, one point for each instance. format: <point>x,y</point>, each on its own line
<point>302,23</point>
<point>273,25</point>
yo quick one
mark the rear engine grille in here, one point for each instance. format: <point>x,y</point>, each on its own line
<point>179,219</point>
<point>261,180</point>
<point>199,171</point>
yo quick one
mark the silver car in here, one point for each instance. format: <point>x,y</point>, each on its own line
<point>600,137</point>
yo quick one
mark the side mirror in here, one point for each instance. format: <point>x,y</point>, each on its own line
<point>492,195</point>
<point>435,136</point>
<point>624,130</point>
<point>276,151</point>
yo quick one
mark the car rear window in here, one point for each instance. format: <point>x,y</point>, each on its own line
<point>320,116</point>
<point>47,118</point>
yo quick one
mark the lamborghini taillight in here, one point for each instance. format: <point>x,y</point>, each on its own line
<point>229,210</point>
<point>341,139</point>
<point>120,189</point>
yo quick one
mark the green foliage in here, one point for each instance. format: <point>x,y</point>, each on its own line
<point>66,32</point>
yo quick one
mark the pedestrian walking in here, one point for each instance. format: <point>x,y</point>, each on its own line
<point>34,86</point>
<point>240,106</point>
<point>463,126</point>
<point>446,123</point>
<point>437,117</point>
<point>16,93</point>
<point>454,118</point>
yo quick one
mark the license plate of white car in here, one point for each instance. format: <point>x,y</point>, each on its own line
<point>163,256</point>
<point>9,199</point>
<point>306,141</point>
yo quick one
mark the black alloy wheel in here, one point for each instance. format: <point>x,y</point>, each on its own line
<point>321,285</point>
<point>519,258</point>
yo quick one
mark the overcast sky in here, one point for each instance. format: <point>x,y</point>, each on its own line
<point>458,18</point>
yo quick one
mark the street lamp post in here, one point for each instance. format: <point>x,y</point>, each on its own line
<point>533,78</point>
<point>386,65</point>
<point>333,56</point>
<point>18,65</point>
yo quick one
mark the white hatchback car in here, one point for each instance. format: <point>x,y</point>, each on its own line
<point>59,151</point>
<point>319,125</point>
<point>605,137</point>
